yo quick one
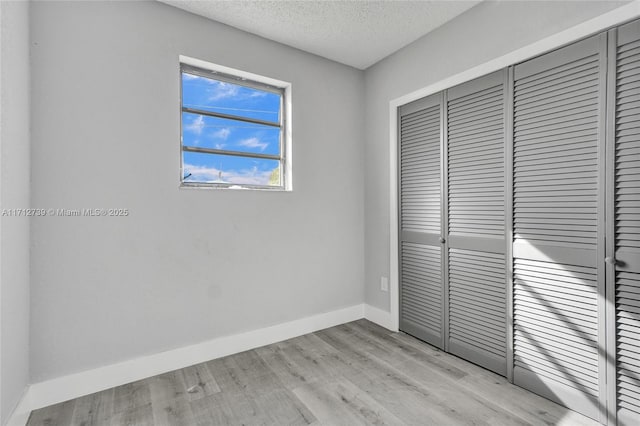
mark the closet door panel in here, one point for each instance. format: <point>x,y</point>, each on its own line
<point>477,317</point>
<point>558,107</point>
<point>476,221</point>
<point>421,288</point>
<point>626,207</point>
<point>475,144</point>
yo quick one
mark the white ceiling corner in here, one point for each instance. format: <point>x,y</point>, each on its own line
<point>358,33</point>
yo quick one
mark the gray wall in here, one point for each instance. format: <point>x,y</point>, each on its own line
<point>186,265</point>
<point>14,193</point>
<point>484,32</point>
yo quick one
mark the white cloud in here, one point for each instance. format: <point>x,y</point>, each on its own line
<point>253,143</point>
<point>222,90</point>
<point>196,125</point>
<point>217,90</point>
<point>222,133</point>
<point>210,174</point>
<point>220,145</point>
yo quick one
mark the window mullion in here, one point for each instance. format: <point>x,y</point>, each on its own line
<point>233,153</point>
<point>230,117</point>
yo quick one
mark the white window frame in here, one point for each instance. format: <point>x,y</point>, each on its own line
<point>221,73</point>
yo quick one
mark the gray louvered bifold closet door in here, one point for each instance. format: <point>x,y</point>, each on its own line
<point>476,221</point>
<point>558,272</point>
<point>421,288</point>
<point>626,207</point>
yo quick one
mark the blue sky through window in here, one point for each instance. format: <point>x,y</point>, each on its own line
<point>201,131</point>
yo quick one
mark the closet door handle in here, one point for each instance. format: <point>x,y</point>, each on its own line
<point>442,240</point>
<point>610,260</point>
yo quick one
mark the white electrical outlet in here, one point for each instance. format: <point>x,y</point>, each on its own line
<point>384,284</point>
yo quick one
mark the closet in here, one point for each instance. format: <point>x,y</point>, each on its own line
<point>519,223</point>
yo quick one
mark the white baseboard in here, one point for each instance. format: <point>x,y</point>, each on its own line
<point>378,316</point>
<point>20,414</point>
<point>61,389</point>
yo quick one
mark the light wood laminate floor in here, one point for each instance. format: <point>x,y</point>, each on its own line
<point>352,374</point>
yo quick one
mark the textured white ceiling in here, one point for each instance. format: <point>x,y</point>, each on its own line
<point>357,33</point>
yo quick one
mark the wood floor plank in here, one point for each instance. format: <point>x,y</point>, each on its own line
<point>131,396</point>
<point>340,402</point>
<point>199,381</point>
<point>94,409</point>
<point>306,359</point>
<point>270,395</point>
<point>470,406</point>
<point>133,416</point>
<point>169,402</point>
<point>258,396</point>
<point>399,394</point>
<point>352,374</point>
<point>448,365</point>
<point>58,414</point>
<point>172,412</point>
<point>242,407</point>
<point>530,407</point>
<point>213,410</point>
<point>167,386</point>
<point>290,375</point>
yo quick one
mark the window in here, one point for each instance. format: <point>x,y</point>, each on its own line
<point>233,131</point>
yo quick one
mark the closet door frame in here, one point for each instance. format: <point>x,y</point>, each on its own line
<point>508,216</point>
<point>610,231</point>
<point>603,325</point>
<point>444,202</point>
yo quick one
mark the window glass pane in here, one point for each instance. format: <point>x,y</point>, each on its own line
<point>231,135</point>
<point>214,168</point>
<point>218,96</point>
